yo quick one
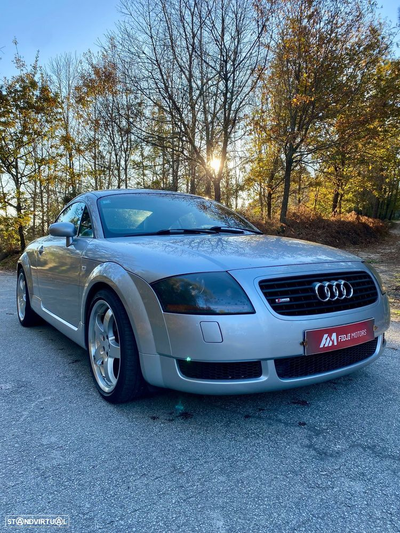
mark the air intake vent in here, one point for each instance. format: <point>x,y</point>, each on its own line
<point>220,371</point>
<point>298,367</point>
<point>296,296</point>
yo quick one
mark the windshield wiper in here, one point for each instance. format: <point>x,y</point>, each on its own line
<point>178,231</point>
<point>213,229</point>
<point>193,231</point>
<point>173,231</point>
<point>229,229</point>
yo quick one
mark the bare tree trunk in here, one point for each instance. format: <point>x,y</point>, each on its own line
<point>19,209</point>
<point>394,203</point>
<point>42,210</point>
<point>340,203</point>
<point>269,204</point>
<point>261,199</point>
<point>19,218</point>
<point>299,189</point>
<point>192,173</point>
<point>287,178</point>
<point>208,185</point>
<point>335,202</point>
<point>217,190</point>
<point>34,208</point>
<point>48,221</point>
<point>376,206</point>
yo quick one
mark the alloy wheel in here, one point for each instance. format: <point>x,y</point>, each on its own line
<point>104,346</point>
<point>21,296</point>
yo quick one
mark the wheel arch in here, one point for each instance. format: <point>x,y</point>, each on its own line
<point>139,302</point>
<point>24,265</point>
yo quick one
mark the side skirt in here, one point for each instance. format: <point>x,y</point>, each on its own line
<point>76,334</point>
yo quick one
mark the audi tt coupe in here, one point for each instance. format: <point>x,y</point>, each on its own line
<point>177,291</point>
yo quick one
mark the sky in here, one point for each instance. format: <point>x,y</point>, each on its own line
<point>54,27</point>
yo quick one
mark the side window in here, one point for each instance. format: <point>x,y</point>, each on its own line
<point>73,214</point>
<point>86,228</point>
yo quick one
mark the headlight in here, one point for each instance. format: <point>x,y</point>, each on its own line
<point>212,293</point>
<point>377,277</point>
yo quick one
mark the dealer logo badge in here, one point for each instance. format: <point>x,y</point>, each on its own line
<point>328,340</point>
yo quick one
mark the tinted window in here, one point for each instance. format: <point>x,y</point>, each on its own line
<point>135,214</point>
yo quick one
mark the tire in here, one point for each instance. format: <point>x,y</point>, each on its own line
<point>113,354</point>
<point>26,315</point>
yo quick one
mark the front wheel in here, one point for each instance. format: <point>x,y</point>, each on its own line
<point>113,354</point>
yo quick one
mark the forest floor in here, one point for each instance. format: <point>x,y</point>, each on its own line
<point>385,257</point>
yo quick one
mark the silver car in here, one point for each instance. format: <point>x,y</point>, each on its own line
<point>177,291</point>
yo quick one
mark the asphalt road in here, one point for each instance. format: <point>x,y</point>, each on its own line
<point>319,459</point>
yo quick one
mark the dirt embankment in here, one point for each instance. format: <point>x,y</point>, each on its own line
<point>385,257</point>
<point>346,230</point>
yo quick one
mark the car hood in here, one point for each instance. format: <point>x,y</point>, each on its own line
<point>157,257</point>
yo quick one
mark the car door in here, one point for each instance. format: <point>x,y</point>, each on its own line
<point>59,267</point>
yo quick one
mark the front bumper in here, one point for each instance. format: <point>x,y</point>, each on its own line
<point>263,336</point>
<point>172,378</point>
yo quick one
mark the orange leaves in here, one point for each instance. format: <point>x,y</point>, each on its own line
<point>301,99</point>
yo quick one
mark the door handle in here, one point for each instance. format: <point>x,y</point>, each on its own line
<point>41,250</point>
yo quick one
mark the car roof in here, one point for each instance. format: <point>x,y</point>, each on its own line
<point>112,192</point>
<point>85,196</point>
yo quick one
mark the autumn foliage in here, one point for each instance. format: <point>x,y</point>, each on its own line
<point>287,109</point>
<point>341,231</point>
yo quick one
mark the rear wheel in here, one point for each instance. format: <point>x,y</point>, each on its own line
<point>113,354</point>
<point>26,315</point>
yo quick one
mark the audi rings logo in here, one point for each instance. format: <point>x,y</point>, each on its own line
<point>333,290</point>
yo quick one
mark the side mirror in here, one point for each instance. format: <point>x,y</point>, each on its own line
<point>63,229</point>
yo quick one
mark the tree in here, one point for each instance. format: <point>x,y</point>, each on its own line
<point>323,52</point>
<point>63,75</point>
<point>28,117</point>
<point>360,164</point>
<point>197,61</point>
<point>265,173</point>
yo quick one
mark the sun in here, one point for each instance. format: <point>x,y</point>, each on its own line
<point>215,164</point>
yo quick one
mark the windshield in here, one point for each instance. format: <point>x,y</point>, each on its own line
<point>149,214</point>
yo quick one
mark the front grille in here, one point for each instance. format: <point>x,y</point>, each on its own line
<point>309,365</point>
<point>220,371</point>
<point>303,300</point>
